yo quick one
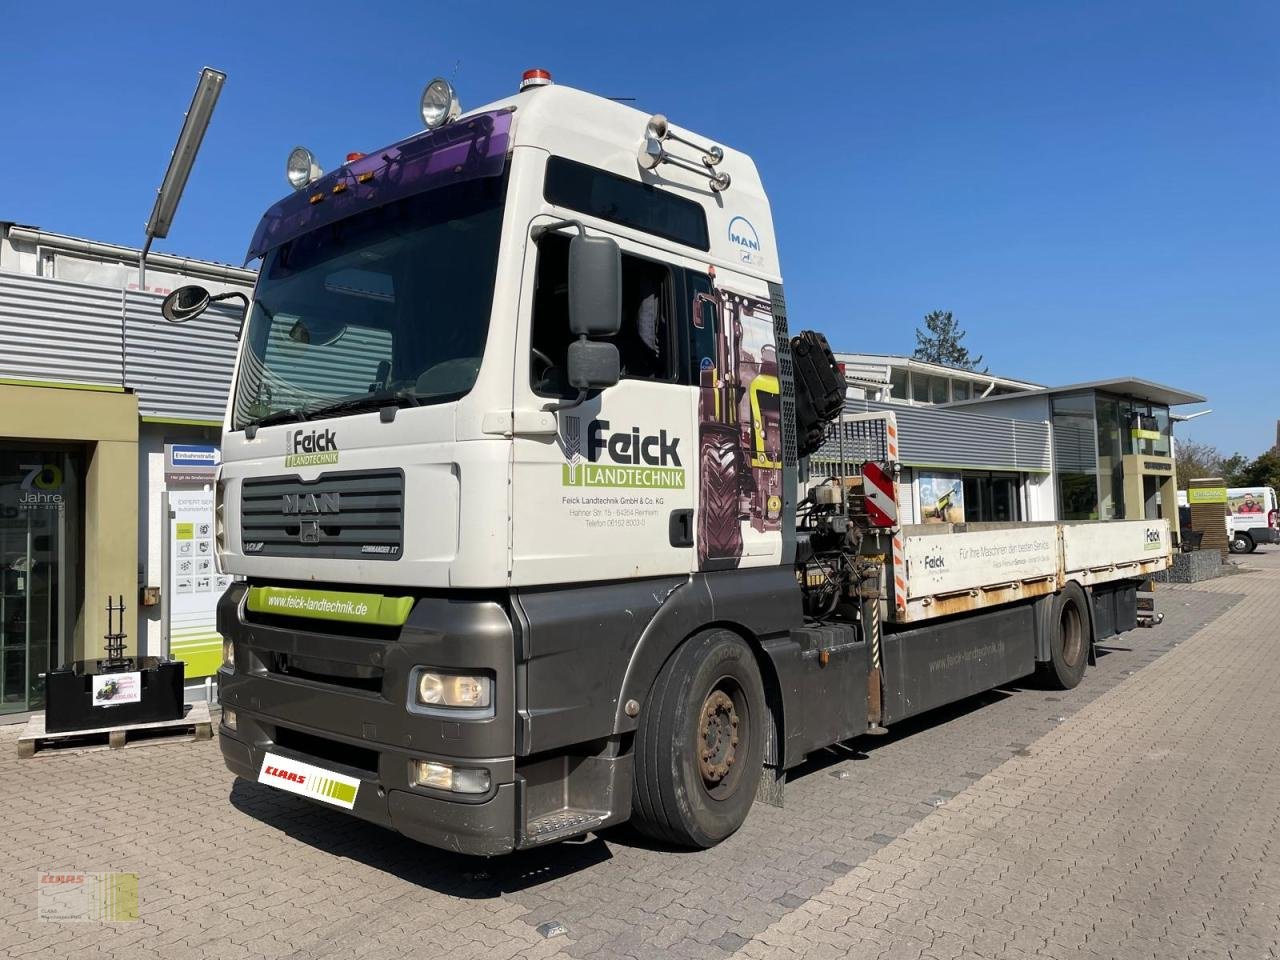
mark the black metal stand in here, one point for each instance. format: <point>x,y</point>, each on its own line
<point>69,702</point>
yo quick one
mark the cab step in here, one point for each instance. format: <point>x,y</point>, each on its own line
<point>563,823</point>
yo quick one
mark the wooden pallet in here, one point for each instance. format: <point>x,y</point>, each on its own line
<point>195,725</point>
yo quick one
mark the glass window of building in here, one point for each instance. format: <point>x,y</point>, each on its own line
<point>898,380</point>
<point>959,389</point>
<point>1111,450</point>
<point>992,498</point>
<point>41,568</point>
<point>1075,453</point>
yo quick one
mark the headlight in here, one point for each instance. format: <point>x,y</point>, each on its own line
<point>442,776</point>
<point>439,103</point>
<point>302,168</point>
<point>228,718</point>
<point>437,689</point>
<point>228,654</point>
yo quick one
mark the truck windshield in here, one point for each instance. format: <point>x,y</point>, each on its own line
<point>388,306</point>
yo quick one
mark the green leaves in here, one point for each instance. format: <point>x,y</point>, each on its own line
<point>942,342</point>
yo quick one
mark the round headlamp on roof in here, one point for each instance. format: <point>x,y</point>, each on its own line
<point>302,168</point>
<point>439,103</point>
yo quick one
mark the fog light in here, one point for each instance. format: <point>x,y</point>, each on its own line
<point>228,718</point>
<point>441,776</point>
<point>228,654</point>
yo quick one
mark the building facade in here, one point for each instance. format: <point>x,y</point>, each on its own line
<point>94,384</point>
<point>1113,445</point>
<point>994,448</point>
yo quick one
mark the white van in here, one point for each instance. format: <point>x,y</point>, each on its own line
<point>1253,517</point>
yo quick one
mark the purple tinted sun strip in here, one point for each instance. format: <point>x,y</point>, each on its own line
<point>464,150</point>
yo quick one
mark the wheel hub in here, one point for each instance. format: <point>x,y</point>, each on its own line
<point>718,735</point>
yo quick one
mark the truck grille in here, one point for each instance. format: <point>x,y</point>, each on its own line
<point>349,516</point>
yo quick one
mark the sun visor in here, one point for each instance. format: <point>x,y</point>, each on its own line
<point>467,149</point>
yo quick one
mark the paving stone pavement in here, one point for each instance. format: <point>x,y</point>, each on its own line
<point>1132,816</point>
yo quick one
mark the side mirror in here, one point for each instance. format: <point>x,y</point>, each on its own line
<point>593,365</point>
<point>595,287</point>
<point>185,303</point>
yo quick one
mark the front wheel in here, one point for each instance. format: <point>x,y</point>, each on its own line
<point>1241,543</point>
<point>1069,639</point>
<point>699,745</point>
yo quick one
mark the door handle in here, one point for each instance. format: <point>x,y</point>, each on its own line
<point>680,528</point>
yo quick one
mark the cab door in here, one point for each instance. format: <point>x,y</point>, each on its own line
<point>610,493</point>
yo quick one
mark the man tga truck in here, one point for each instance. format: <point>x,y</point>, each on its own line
<point>514,481</point>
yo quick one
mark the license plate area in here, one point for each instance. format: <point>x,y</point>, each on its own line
<point>308,780</point>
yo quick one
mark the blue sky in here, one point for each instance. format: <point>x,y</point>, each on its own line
<point>1092,188</point>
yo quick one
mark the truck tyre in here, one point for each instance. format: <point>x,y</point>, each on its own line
<point>1242,543</point>
<point>719,524</point>
<point>700,743</point>
<point>1070,635</point>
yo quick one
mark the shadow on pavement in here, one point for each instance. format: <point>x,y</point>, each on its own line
<point>457,875</point>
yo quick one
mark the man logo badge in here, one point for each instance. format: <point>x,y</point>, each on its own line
<point>299,503</point>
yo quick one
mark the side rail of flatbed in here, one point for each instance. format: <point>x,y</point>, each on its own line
<point>959,568</point>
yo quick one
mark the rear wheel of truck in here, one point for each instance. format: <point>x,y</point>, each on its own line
<point>699,746</point>
<point>1069,639</point>
<point>1241,543</point>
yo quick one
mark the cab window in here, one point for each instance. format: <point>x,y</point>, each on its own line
<point>645,340</point>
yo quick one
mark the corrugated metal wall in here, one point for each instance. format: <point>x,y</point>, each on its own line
<point>67,332</point>
<point>933,436</point>
<point>181,372</point>
<point>59,331</point>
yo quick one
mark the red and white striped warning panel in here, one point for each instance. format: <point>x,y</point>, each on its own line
<point>877,487</point>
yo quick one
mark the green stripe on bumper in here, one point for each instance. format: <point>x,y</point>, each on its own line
<point>370,608</point>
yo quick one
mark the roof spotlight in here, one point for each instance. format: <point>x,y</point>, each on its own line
<point>439,103</point>
<point>302,168</point>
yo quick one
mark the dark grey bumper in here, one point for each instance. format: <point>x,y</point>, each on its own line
<point>485,828</point>
<point>340,702</point>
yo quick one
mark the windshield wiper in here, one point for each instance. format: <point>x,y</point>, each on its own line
<point>376,399</point>
<point>288,415</point>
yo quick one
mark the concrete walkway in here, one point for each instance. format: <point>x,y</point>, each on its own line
<point>1145,826</point>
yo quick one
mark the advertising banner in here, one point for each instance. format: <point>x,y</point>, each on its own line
<point>941,498</point>
<point>194,585</point>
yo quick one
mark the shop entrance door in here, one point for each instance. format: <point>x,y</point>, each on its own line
<point>40,568</point>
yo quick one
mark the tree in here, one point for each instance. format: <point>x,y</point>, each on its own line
<point>1262,472</point>
<point>942,343</point>
<point>1232,470</point>
<point>1196,460</point>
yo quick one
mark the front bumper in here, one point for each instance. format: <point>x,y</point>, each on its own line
<point>486,827</point>
<point>339,701</point>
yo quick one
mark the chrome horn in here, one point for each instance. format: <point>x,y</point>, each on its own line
<point>653,151</point>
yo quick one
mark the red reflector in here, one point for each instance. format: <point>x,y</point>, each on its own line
<point>351,157</point>
<point>840,367</point>
<point>535,78</point>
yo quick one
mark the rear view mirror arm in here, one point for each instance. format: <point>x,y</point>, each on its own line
<point>568,404</point>
<point>244,311</point>
<point>538,232</point>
